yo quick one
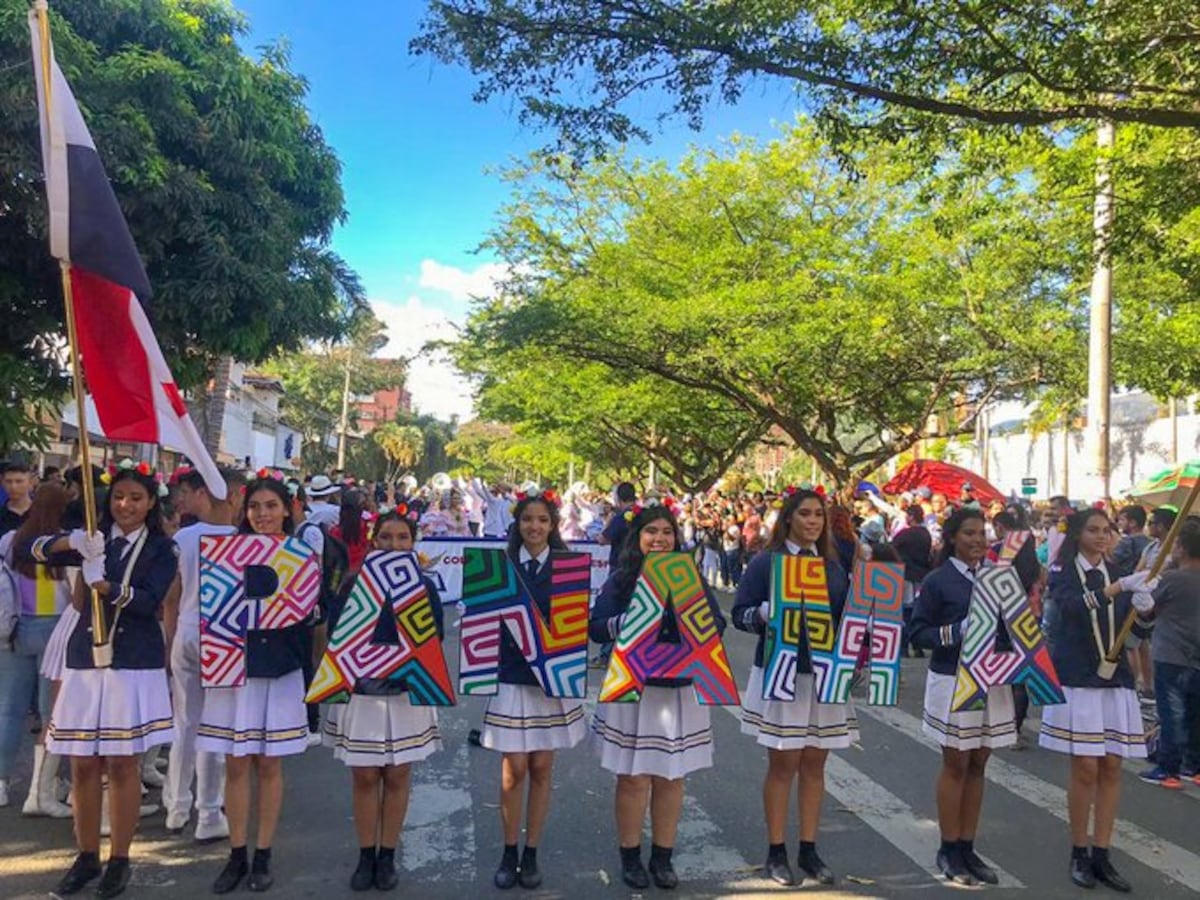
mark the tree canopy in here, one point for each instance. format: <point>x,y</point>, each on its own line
<point>581,66</point>
<point>229,187</point>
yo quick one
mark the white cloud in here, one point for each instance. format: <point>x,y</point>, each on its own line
<point>460,284</point>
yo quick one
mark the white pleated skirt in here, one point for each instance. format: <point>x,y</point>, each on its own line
<point>54,657</point>
<point>1095,722</point>
<point>331,714</point>
<point>385,731</point>
<point>796,724</point>
<point>667,733</point>
<point>993,726</point>
<point>110,712</point>
<point>520,718</point>
<point>263,717</point>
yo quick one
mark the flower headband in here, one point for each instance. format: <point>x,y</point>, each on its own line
<point>402,510</point>
<point>547,496</point>
<point>650,503</point>
<point>142,468</point>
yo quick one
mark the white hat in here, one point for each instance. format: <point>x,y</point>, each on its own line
<point>321,486</point>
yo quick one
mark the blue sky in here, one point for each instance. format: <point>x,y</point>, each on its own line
<point>415,149</point>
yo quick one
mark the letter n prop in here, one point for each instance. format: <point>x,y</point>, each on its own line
<point>869,636</point>
<point>669,579</point>
<point>250,582</point>
<point>497,597</point>
<point>392,582</point>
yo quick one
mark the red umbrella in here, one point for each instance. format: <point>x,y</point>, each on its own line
<point>941,478</point>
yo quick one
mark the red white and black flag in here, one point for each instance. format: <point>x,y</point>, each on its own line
<point>135,396</point>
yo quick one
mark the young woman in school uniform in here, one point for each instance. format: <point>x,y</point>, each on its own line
<point>520,721</point>
<point>379,734</point>
<point>1101,722</point>
<point>262,721</point>
<point>966,738</point>
<point>104,718</point>
<point>798,734</point>
<point>651,745</point>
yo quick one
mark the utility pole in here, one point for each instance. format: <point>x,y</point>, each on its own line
<point>1100,325</point>
<point>341,453</point>
<point>1173,412</point>
<point>653,465</point>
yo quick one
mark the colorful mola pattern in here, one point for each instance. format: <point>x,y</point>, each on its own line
<point>388,580</point>
<point>799,599</point>
<point>869,636</point>
<point>226,613</point>
<point>638,655</point>
<point>495,596</point>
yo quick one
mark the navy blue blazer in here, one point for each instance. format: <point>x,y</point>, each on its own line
<point>138,641</point>
<point>938,615</point>
<point>612,602</point>
<point>755,589</point>
<point>1069,629</point>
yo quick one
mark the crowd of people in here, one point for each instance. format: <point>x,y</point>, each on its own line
<point>1082,570</point>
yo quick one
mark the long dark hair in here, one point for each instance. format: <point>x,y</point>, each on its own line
<point>350,521</point>
<point>45,516</point>
<point>514,533</point>
<point>153,516</point>
<point>950,529</point>
<point>629,563</point>
<point>779,531</point>
<point>279,489</point>
<point>1076,522</point>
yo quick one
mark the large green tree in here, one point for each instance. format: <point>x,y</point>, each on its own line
<point>851,308</point>
<point>227,183</point>
<point>586,66</point>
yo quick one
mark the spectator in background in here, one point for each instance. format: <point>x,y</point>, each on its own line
<point>845,539</point>
<point>914,545</point>
<point>752,531</point>
<point>731,553</point>
<point>614,532</point>
<point>1131,522</point>
<point>351,529</point>
<point>323,508</point>
<point>1160,522</point>
<point>18,488</point>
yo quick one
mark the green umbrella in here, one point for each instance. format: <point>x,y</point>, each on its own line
<point>1169,487</point>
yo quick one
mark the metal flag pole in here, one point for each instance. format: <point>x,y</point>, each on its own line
<point>101,646</point>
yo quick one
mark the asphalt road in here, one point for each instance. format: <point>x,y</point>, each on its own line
<point>879,830</point>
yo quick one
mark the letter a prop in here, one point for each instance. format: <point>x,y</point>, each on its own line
<point>869,636</point>
<point>999,596</point>
<point>497,597</point>
<point>250,582</point>
<point>799,599</point>
<point>638,655</point>
<point>388,581</point>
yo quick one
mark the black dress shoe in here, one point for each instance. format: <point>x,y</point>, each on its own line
<point>231,876</point>
<point>386,878</point>
<point>1081,872</point>
<point>260,881</point>
<point>1107,875</point>
<point>634,874</point>
<point>363,878</point>
<point>473,737</point>
<point>506,875</point>
<point>663,873</point>
<point>979,870</point>
<point>529,877</point>
<point>84,869</point>
<point>814,867</point>
<point>114,880</point>
<point>952,867</point>
<point>778,870</point>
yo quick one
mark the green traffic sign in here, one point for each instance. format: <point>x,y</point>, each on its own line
<point>1029,489</point>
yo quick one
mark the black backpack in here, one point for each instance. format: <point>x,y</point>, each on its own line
<point>335,567</point>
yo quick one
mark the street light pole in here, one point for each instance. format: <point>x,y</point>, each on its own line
<point>341,453</point>
<point>1100,325</point>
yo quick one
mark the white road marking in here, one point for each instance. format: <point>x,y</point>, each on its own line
<point>1170,859</point>
<point>439,831</point>
<point>699,854</point>
<point>894,820</point>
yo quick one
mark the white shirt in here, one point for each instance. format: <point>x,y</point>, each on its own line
<point>795,549</point>
<point>187,539</point>
<point>497,518</point>
<point>965,570</point>
<point>322,513</point>
<point>525,556</point>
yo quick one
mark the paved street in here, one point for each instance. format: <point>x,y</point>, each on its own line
<point>879,832</point>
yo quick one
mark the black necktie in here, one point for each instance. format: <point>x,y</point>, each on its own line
<point>1093,580</point>
<point>807,551</point>
<point>531,568</point>
<point>119,544</point>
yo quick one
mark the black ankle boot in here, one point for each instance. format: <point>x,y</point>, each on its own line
<point>364,873</point>
<point>84,869</point>
<point>260,871</point>
<point>506,873</point>
<point>530,877</point>
<point>115,878</point>
<point>633,873</point>
<point>661,869</point>
<point>233,873</point>
<point>386,878</point>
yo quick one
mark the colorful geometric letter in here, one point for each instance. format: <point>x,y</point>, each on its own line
<point>799,599</point>
<point>496,597</point>
<point>999,596</point>
<point>638,655</point>
<point>872,617</point>
<point>227,613</point>
<point>388,580</point>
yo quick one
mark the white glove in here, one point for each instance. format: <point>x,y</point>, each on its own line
<point>89,546</point>
<point>93,571</point>
<point>764,611</point>
<point>1143,601</point>
<point>1138,581</point>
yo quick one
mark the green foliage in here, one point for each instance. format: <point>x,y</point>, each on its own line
<point>582,66</point>
<point>769,285</point>
<point>229,188</point>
